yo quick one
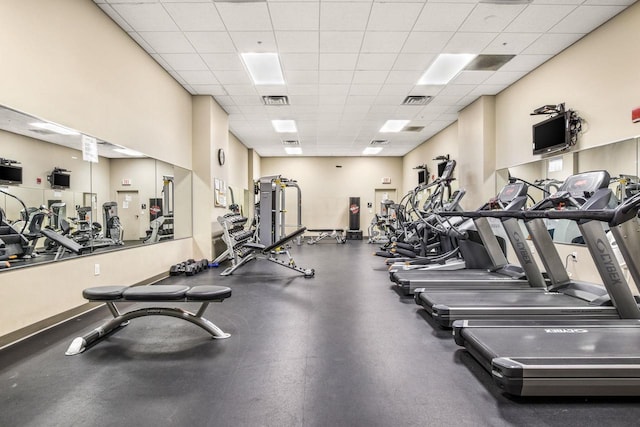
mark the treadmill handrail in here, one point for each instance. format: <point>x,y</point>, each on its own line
<point>615,216</point>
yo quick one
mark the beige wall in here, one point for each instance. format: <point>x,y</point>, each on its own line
<point>597,77</point>
<point>326,189</point>
<point>445,142</point>
<point>67,62</point>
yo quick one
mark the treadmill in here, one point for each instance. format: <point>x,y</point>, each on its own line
<point>500,275</point>
<point>564,299</point>
<point>572,358</point>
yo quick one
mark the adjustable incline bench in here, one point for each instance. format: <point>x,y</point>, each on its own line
<point>64,243</point>
<point>154,293</point>
<point>250,251</point>
<point>336,233</point>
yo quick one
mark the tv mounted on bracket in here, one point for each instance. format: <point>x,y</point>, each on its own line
<point>59,179</point>
<point>10,174</point>
<point>553,134</point>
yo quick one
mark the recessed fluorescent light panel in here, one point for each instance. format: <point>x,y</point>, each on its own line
<point>394,126</point>
<point>293,150</point>
<point>264,68</point>
<point>284,126</point>
<point>54,128</point>
<point>128,152</point>
<point>371,150</point>
<point>445,67</point>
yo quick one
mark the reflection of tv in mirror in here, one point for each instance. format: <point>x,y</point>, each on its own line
<point>60,180</point>
<point>10,174</point>
<point>422,177</point>
<point>552,135</point>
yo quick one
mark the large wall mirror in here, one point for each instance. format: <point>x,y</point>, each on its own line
<point>50,198</point>
<point>620,159</point>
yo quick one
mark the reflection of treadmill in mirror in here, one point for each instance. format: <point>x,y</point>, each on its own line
<point>486,266</point>
<point>565,298</point>
<point>572,357</point>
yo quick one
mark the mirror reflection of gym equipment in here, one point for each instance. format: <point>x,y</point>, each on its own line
<point>161,213</point>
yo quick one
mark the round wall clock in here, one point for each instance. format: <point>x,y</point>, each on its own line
<point>221,156</point>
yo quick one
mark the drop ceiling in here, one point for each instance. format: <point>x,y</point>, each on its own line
<point>349,65</point>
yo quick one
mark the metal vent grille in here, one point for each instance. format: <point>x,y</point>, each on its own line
<point>488,62</point>
<point>275,100</point>
<point>413,129</point>
<point>290,142</point>
<point>417,100</point>
<point>379,142</point>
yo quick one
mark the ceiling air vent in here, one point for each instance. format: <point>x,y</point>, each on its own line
<point>413,129</point>
<point>488,62</point>
<point>290,142</point>
<point>417,100</point>
<point>275,100</point>
<point>379,142</point>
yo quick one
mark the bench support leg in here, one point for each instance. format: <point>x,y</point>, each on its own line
<point>82,343</point>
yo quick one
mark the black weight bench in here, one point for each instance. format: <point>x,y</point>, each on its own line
<point>336,233</point>
<point>155,293</point>
<point>64,243</point>
<point>250,251</point>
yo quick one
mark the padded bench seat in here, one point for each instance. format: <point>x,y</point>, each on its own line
<point>156,293</point>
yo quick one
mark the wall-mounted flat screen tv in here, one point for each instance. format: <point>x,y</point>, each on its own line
<point>60,180</point>
<point>10,174</point>
<point>552,135</point>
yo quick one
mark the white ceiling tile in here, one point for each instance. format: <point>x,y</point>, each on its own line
<point>393,16</point>
<point>356,89</point>
<point>272,90</point>
<point>215,90</point>
<point>141,42</point>
<point>301,77</point>
<point>551,44</point>
<point>302,89</point>
<point>458,90</point>
<point>331,100</point>
<point>491,18</point>
<point>303,100</point>
<point>510,43</point>
<point>223,100</point>
<point>247,100</point>
<point>396,89</point>
<point>177,77</point>
<point>361,99</point>
<point>525,62</point>
<point>504,77</point>
<point>253,41</point>
<point>610,2</point>
<point>299,61</point>
<point>487,89</point>
<point>413,61</point>
<point>404,76</point>
<point>195,16</point>
<point>424,42</point>
<point>146,16</point>
<point>244,16</point>
<point>297,41</point>
<point>338,61</point>
<point>167,42</point>
<point>442,17</point>
<point>585,18</point>
<point>376,61</point>
<point>294,15</point>
<point>344,16</point>
<point>445,100</point>
<point>199,77</point>
<point>469,42</point>
<point>427,90</point>
<point>211,42</point>
<point>369,77</point>
<point>539,18</point>
<point>238,90</point>
<point>334,89</point>
<point>222,61</point>
<point>383,41</point>
<point>115,16</point>
<point>390,100</point>
<point>232,77</point>
<point>471,77</point>
<point>335,77</point>
<point>341,41</point>
<point>185,61</point>
<point>164,64</point>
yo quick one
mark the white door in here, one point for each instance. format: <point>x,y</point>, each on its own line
<point>129,214</point>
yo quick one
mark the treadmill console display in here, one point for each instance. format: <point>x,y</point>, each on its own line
<point>586,183</point>
<point>447,172</point>
<point>511,191</point>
